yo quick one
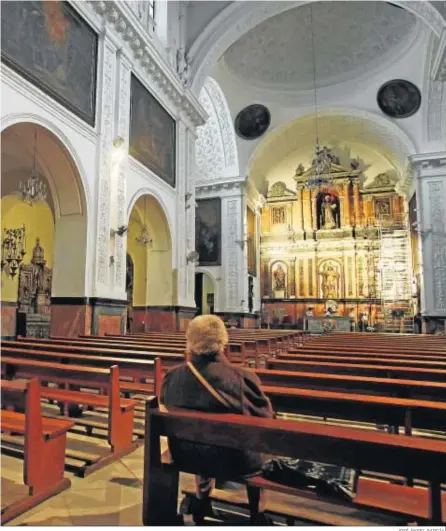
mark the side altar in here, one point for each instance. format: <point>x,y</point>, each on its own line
<point>319,325</point>
<point>34,311</point>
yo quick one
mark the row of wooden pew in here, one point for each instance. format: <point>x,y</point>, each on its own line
<point>366,389</point>
<point>95,373</point>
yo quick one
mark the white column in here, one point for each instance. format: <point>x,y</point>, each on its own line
<point>185,242</point>
<point>233,251</point>
<point>190,216</point>
<point>107,60</point>
<point>430,171</point>
<point>119,168</point>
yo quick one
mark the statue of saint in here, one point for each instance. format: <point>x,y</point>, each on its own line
<point>329,282</point>
<point>279,278</point>
<point>38,262</point>
<point>328,220</point>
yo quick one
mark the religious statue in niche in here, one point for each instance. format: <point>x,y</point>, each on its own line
<point>279,278</point>
<point>330,281</point>
<point>383,209</point>
<point>328,209</point>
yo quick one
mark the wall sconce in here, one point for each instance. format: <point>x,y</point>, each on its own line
<point>118,142</point>
<point>192,256</point>
<point>13,250</point>
<point>242,242</point>
<point>120,231</point>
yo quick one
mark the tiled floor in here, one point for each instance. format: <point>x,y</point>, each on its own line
<point>111,496</point>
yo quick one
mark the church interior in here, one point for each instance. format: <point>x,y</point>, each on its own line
<point>279,165</point>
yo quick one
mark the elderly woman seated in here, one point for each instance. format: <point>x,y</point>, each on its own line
<point>208,382</point>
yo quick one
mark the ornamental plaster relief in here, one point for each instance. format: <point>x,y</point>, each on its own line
<point>105,152</point>
<point>240,17</point>
<point>216,150</point>
<point>121,188</point>
<point>438,221</point>
<point>376,32</point>
<point>231,254</point>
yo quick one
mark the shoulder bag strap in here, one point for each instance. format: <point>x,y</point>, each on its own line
<point>208,386</point>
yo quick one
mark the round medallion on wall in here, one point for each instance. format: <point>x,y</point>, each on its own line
<point>399,98</point>
<point>252,121</point>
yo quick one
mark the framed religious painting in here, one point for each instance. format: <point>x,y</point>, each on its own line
<point>152,133</point>
<point>208,231</point>
<point>53,47</point>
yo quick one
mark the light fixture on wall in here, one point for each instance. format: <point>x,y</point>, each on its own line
<point>322,156</point>
<point>120,231</point>
<point>144,238</point>
<point>247,239</point>
<point>13,250</point>
<point>192,256</point>
<point>34,189</point>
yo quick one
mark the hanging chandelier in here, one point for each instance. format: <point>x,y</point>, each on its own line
<point>320,171</point>
<point>144,238</point>
<point>34,189</point>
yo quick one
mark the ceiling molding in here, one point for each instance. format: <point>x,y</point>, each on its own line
<point>145,53</point>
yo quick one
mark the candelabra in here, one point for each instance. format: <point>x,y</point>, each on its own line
<point>13,250</point>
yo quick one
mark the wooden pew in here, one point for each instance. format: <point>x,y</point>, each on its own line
<point>253,346</point>
<point>400,388</point>
<point>381,360</point>
<point>422,459</point>
<point>138,370</point>
<point>120,419</point>
<point>235,349</point>
<point>390,411</point>
<point>45,442</point>
<point>358,352</point>
<point>346,366</point>
<point>92,350</point>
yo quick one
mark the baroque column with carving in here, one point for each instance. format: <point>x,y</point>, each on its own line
<point>106,127</point>
<point>430,171</point>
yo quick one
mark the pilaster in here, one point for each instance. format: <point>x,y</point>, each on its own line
<point>430,171</point>
<point>105,144</point>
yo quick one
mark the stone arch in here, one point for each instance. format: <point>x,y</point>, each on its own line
<point>216,285</point>
<point>153,271</point>
<point>216,155</point>
<point>378,132</point>
<point>240,17</point>
<point>59,165</point>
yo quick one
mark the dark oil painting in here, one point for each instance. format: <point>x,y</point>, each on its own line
<point>50,45</point>
<point>208,231</point>
<point>152,133</point>
<point>252,121</point>
<point>399,98</point>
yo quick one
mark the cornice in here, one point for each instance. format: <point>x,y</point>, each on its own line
<point>429,164</point>
<point>222,186</point>
<point>143,50</point>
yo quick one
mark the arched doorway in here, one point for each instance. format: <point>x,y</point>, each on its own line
<point>204,293</point>
<point>55,234</point>
<point>149,247</point>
